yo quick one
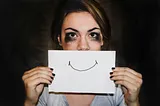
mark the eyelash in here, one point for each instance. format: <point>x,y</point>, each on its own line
<point>95,36</point>
<point>70,36</point>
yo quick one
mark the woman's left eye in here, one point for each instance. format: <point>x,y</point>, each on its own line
<point>94,35</point>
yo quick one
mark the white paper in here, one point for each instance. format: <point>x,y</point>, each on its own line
<point>82,71</point>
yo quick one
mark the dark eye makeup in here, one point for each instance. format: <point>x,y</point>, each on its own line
<point>70,36</point>
<point>95,36</point>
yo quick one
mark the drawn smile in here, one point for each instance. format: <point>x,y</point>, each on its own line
<point>83,69</point>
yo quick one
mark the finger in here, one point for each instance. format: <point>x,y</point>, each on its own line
<point>33,83</point>
<point>129,75</point>
<point>38,68</point>
<point>131,87</point>
<point>43,70</point>
<point>128,70</point>
<point>125,78</point>
<point>41,75</point>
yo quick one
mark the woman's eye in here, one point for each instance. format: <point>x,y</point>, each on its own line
<point>70,36</point>
<point>95,35</point>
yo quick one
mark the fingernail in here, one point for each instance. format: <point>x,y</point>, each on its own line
<point>113,68</point>
<point>111,76</point>
<point>51,69</point>
<point>111,72</point>
<point>53,74</point>
<point>52,78</point>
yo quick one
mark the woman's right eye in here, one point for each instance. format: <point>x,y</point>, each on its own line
<point>70,36</point>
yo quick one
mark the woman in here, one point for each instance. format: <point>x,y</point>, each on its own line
<point>82,25</point>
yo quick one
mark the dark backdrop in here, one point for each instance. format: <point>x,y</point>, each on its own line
<point>25,39</point>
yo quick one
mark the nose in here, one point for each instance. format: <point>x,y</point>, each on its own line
<point>83,44</point>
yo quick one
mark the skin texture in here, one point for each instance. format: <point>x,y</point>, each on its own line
<point>81,32</point>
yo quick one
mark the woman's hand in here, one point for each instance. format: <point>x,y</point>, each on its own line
<point>34,81</point>
<point>131,82</point>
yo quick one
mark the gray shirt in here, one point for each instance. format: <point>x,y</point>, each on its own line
<point>51,99</point>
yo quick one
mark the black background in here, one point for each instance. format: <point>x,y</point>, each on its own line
<point>25,39</point>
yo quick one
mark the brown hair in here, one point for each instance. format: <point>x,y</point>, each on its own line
<point>91,6</point>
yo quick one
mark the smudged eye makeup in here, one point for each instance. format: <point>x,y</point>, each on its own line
<point>95,36</point>
<point>70,36</point>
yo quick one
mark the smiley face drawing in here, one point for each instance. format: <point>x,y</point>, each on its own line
<point>82,70</point>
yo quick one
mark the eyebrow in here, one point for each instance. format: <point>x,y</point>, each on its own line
<point>93,29</point>
<point>71,29</point>
<point>77,30</point>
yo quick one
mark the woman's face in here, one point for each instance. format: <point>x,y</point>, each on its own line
<point>80,32</point>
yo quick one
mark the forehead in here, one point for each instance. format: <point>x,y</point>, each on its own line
<point>79,20</point>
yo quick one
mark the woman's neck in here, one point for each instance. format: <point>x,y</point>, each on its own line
<point>79,99</point>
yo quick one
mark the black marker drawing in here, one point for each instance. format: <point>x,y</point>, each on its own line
<point>83,69</point>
